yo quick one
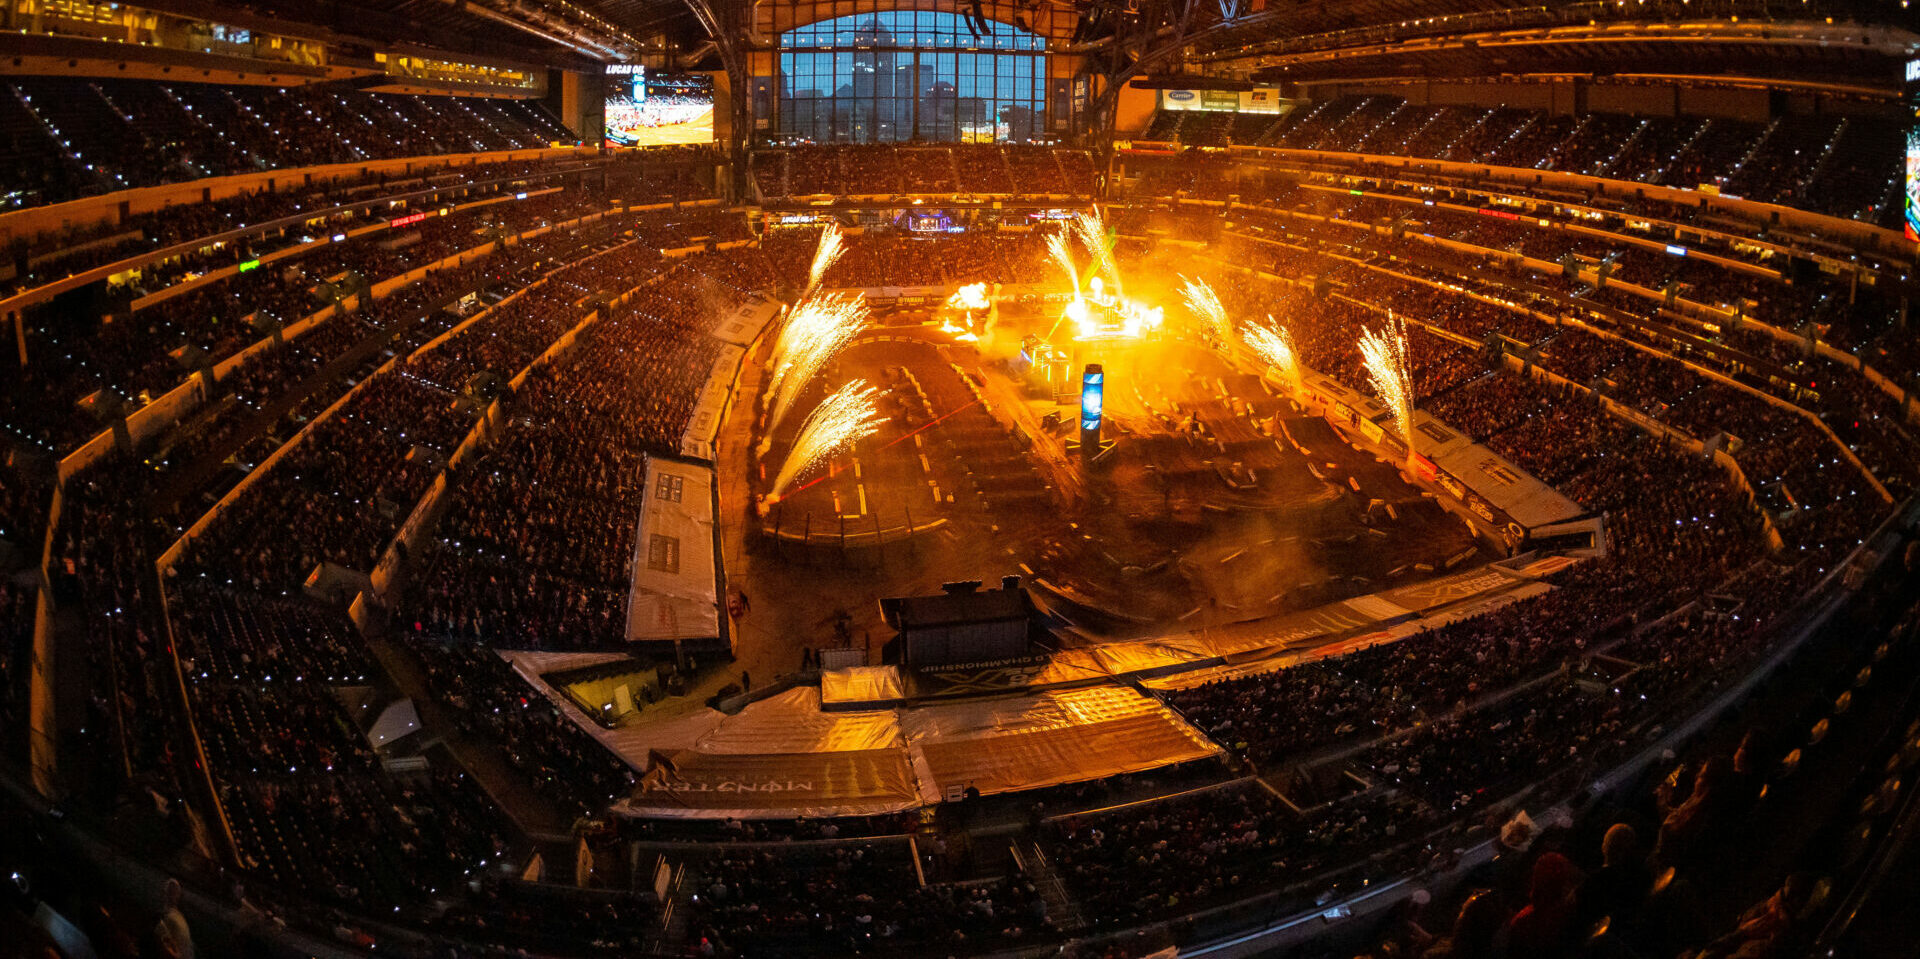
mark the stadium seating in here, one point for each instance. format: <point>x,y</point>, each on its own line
<point>1714,410</point>
<point>75,137</point>
<point>1840,167</point>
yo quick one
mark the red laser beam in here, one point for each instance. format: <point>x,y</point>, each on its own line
<point>930,423</point>
<point>831,472</point>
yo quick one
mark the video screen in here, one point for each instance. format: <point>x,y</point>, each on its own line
<point>1913,150</point>
<point>656,109</point>
<point>1913,179</point>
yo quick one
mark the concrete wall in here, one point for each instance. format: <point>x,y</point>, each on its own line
<point>1726,103</point>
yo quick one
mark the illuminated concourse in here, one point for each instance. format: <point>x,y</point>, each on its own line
<point>1104,480</point>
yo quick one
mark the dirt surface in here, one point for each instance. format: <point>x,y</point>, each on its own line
<point>1206,510</point>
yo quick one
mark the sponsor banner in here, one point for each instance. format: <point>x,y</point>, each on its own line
<point>1481,509</point>
<point>1261,100</point>
<point>1425,468</point>
<point>1264,100</point>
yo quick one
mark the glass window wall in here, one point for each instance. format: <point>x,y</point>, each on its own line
<point>900,76</point>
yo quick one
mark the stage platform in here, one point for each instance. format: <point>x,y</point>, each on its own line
<point>1298,506</point>
<point>874,740</point>
<point>1331,630</point>
<point>784,756</point>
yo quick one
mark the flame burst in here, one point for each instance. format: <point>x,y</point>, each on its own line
<point>973,296</point>
<point>845,417</point>
<point>1392,378</point>
<point>817,329</point>
<point>1275,347</point>
<point>1092,232</point>
<point>832,244</point>
<point>1205,304</point>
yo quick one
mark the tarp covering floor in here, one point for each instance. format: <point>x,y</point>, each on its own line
<point>1012,743</point>
<point>782,756</point>
<point>679,600</point>
<point>785,755</point>
<point>880,685</point>
<point>692,784</point>
<point>1266,661</point>
<point>792,722</point>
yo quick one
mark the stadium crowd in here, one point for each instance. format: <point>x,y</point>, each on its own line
<point>536,540</point>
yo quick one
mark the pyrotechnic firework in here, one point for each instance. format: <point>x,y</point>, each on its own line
<point>815,331</point>
<point>1386,356</point>
<point>1206,305</point>
<point>832,244</point>
<point>1275,347</point>
<point>842,419</point>
<point>1093,233</point>
<point>1062,252</point>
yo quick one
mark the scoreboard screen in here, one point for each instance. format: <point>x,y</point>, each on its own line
<point>645,108</point>
<point>1913,150</point>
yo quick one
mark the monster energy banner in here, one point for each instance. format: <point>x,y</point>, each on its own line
<point>696,785</point>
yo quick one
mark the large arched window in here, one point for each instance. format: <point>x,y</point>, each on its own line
<point>903,75</point>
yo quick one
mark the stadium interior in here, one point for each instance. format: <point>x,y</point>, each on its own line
<point>1099,479</point>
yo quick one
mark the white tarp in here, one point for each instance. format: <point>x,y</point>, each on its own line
<point>673,594</point>
<point>689,784</point>
<point>396,721</point>
<point>792,722</point>
<point>1029,741</point>
<point>744,324</point>
<point>709,410</point>
<point>862,684</point>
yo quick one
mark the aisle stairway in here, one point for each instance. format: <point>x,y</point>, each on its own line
<point>1061,907</point>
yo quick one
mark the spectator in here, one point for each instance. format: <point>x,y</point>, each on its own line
<point>1546,926</point>
<point>1478,931</point>
<point>172,935</point>
<point>1618,889</point>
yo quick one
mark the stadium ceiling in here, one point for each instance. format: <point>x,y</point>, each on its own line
<point>1264,26</point>
<point>1303,40</point>
<point>555,32</point>
<point>1851,55</point>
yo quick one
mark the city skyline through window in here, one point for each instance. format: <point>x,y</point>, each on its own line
<point>900,76</point>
